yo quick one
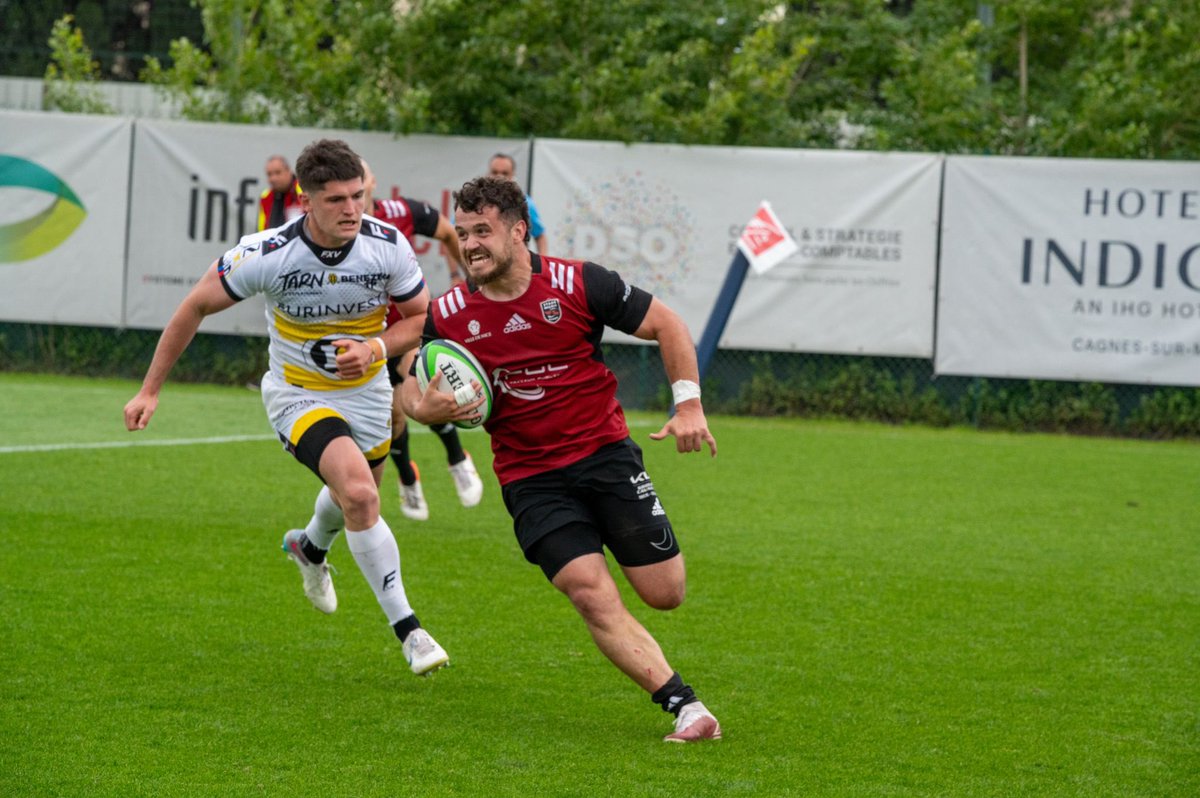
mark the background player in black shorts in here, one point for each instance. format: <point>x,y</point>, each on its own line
<point>413,217</point>
<point>572,479</point>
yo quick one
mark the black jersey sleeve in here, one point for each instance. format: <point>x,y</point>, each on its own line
<point>611,301</point>
<point>425,218</point>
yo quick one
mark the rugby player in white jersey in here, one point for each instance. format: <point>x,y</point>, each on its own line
<point>328,277</point>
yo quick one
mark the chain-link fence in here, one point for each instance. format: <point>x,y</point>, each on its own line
<point>120,33</point>
<point>890,390</point>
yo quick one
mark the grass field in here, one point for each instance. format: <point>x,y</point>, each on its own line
<point>872,611</point>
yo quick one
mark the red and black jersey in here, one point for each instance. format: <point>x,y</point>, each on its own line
<point>555,401</point>
<point>411,217</point>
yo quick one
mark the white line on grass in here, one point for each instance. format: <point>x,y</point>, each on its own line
<point>68,447</point>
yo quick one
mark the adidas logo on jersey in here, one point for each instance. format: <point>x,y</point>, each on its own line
<point>516,324</point>
<point>657,509</point>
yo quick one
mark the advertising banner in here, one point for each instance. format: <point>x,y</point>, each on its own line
<point>196,189</point>
<point>64,181</point>
<point>668,219</point>
<point>1071,270</point>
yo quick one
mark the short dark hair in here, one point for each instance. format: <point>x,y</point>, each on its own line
<point>325,161</point>
<point>506,157</point>
<point>503,195</point>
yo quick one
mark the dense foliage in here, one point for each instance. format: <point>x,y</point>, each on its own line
<point>1101,78</point>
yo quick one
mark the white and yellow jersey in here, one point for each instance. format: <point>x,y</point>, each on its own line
<point>316,296</point>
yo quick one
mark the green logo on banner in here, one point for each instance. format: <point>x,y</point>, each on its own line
<point>41,233</point>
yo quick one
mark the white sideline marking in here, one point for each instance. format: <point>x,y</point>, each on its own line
<point>64,447</point>
<point>69,447</point>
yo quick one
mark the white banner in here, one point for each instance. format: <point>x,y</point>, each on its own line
<point>196,188</point>
<point>668,219</point>
<point>64,181</point>
<point>1071,270</point>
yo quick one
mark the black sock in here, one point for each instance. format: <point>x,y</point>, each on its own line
<point>312,553</point>
<point>400,457</point>
<point>448,435</point>
<point>406,626</point>
<point>673,695</point>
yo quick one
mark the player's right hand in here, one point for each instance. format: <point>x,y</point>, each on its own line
<point>439,407</point>
<point>138,411</point>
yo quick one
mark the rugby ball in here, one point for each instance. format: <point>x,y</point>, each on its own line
<point>458,367</point>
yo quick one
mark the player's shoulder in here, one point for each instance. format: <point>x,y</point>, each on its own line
<point>568,275</point>
<point>257,246</point>
<point>375,229</point>
<point>456,299</point>
<point>392,208</point>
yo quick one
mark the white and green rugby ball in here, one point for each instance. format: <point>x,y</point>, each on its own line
<point>458,367</point>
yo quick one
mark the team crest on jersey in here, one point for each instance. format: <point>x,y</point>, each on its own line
<point>551,311</point>
<point>473,327</point>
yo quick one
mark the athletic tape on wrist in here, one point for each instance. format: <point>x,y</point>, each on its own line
<point>683,390</point>
<point>382,349</point>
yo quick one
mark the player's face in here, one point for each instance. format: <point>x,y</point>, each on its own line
<point>278,175</point>
<point>487,243</point>
<point>334,212</point>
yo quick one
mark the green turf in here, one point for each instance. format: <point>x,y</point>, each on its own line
<point>872,611</point>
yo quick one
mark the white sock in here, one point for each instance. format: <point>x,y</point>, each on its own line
<point>378,558</point>
<point>326,522</point>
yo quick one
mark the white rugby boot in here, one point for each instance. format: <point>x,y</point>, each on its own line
<point>694,723</point>
<point>423,653</point>
<point>318,585</point>
<point>467,482</point>
<point>412,499</point>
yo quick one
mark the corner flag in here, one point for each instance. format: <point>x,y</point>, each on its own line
<point>765,243</point>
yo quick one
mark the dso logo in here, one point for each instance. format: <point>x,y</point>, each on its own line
<point>45,230</point>
<point>635,225</point>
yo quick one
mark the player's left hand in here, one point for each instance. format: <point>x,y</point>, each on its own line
<point>354,357</point>
<point>690,429</point>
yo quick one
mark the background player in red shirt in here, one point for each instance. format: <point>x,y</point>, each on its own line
<point>572,478</point>
<point>415,217</point>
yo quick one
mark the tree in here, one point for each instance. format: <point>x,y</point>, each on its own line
<point>70,72</point>
<point>1061,77</point>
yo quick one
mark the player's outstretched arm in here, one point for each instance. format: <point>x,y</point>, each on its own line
<point>688,426</point>
<point>448,236</point>
<point>205,298</point>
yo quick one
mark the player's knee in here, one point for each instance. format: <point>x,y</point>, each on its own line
<point>595,605</point>
<point>358,497</point>
<point>665,596</point>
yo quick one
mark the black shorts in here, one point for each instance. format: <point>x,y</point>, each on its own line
<point>605,499</point>
<point>393,370</point>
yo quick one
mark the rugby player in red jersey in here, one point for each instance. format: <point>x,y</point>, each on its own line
<point>571,477</point>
